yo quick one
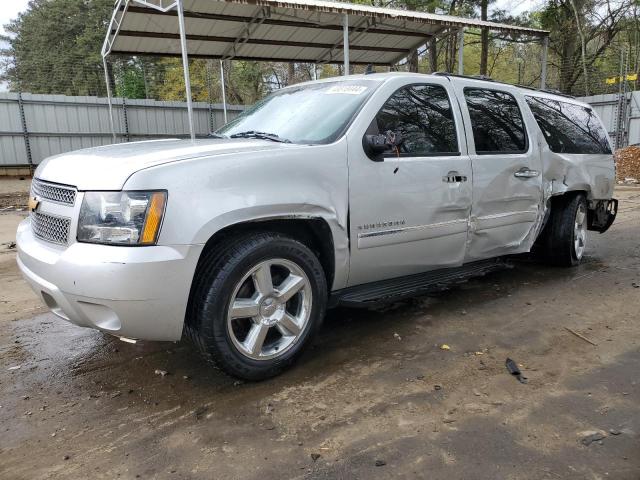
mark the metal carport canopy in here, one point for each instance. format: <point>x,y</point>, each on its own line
<point>278,30</point>
<point>307,31</point>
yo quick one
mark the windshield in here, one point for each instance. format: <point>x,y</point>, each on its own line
<point>314,113</point>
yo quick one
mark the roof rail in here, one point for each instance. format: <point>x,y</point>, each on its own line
<point>472,77</point>
<point>546,90</point>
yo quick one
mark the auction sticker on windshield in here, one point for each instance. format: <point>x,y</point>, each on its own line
<point>346,89</point>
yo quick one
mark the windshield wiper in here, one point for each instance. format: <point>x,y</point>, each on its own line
<point>261,135</point>
<point>216,135</point>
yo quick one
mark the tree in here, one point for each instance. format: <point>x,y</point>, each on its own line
<point>54,47</point>
<point>598,21</point>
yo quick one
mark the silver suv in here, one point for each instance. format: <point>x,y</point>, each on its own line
<point>350,191</point>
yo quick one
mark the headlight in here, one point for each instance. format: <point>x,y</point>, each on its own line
<point>121,218</point>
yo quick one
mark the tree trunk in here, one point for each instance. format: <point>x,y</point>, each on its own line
<point>433,55</point>
<point>433,52</point>
<point>484,38</point>
<point>291,73</point>
<point>412,59</point>
<point>582,47</point>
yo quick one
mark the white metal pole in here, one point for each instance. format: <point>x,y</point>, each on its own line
<point>185,67</point>
<point>461,52</point>
<point>109,100</point>
<point>545,53</point>
<point>345,41</point>
<point>224,92</point>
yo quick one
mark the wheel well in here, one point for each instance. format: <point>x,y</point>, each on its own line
<point>557,200</point>
<point>314,233</point>
<point>553,203</point>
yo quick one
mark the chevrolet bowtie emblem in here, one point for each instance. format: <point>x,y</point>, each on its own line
<point>33,204</point>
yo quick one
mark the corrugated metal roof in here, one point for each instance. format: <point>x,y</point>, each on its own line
<point>281,30</point>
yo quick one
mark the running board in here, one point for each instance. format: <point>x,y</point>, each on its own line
<point>385,291</point>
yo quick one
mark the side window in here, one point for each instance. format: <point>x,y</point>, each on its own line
<point>569,128</point>
<point>496,121</point>
<point>422,115</point>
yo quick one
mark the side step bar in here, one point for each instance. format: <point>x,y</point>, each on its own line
<point>385,291</point>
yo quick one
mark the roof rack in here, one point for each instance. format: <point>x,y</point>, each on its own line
<point>473,77</point>
<point>489,79</point>
<point>546,90</point>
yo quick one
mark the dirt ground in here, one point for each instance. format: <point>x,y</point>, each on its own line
<point>376,398</point>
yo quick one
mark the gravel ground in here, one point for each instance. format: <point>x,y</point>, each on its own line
<point>14,193</point>
<point>376,398</point>
<point>628,165</point>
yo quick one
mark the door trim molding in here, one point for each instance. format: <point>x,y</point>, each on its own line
<point>414,233</point>
<point>504,219</point>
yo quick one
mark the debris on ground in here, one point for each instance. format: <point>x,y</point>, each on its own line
<point>582,337</point>
<point>397,337</point>
<point>162,373</point>
<point>628,165</point>
<point>444,346</point>
<point>315,456</point>
<point>591,436</point>
<point>437,387</point>
<point>380,463</point>
<point>613,431</point>
<point>515,371</point>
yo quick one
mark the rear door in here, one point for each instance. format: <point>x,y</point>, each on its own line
<point>409,208</point>
<point>507,170</point>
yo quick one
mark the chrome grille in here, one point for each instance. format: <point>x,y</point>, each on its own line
<point>55,193</point>
<point>50,228</point>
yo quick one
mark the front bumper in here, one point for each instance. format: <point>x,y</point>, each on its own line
<point>133,292</point>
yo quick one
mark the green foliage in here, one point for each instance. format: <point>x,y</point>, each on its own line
<point>54,47</point>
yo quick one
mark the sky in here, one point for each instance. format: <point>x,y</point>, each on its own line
<point>10,10</point>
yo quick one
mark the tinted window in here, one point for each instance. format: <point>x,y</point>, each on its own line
<point>569,128</point>
<point>422,115</point>
<point>496,121</point>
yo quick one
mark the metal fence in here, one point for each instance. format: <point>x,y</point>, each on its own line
<point>34,127</point>
<point>614,111</point>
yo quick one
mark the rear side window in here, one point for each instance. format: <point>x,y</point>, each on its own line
<point>496,122</point>
<point>569,128</point>
<point>422,115</point>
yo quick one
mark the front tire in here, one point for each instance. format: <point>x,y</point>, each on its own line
<point>258,301</point>
<point>565,235</point>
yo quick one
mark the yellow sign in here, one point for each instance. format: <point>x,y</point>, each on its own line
<point>632,77</point>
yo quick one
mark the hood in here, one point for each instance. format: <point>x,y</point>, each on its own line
<point>109,167</point>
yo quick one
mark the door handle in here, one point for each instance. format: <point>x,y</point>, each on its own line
<point>526,173</point>
<point>454,177</point>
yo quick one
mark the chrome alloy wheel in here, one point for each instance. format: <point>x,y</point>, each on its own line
<point>580,231</point>
<point>269,309</point>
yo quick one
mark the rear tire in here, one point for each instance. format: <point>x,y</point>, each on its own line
<point>258,300</point>
<point>563,239</point>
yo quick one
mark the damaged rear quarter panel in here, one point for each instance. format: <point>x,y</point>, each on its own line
<point>593,174</point>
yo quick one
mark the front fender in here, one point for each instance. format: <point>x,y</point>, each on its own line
<point>206,195</point>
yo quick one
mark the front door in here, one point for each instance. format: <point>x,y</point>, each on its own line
<point>507,171</point>
<point>409,207</point>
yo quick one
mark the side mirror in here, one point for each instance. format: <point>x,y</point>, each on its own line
<point>376,145</point>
